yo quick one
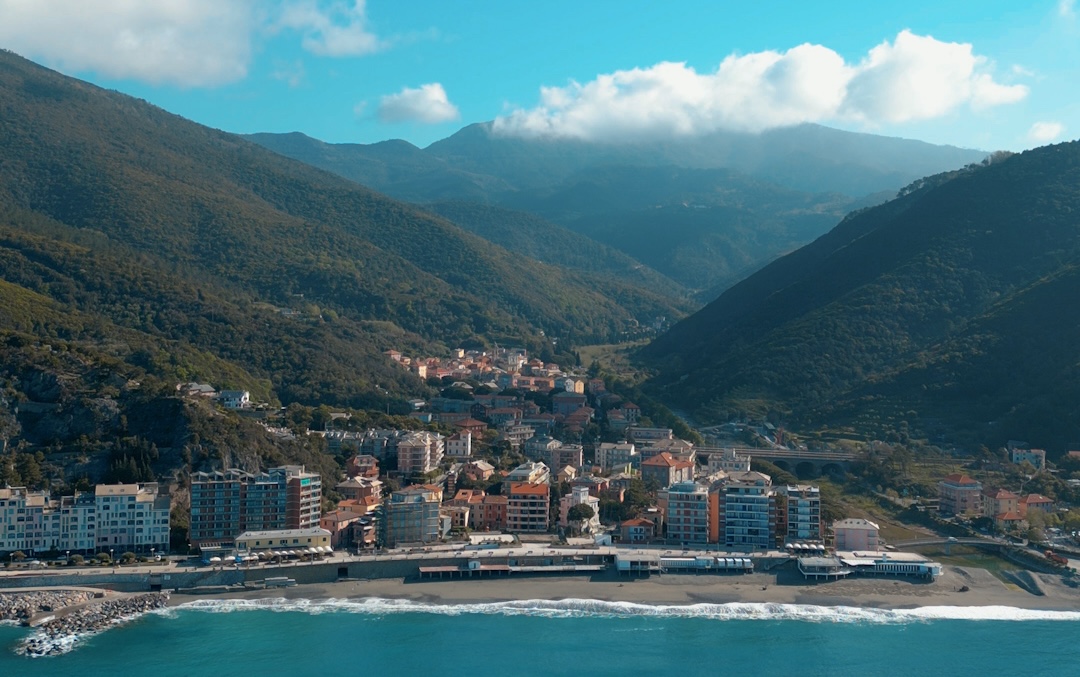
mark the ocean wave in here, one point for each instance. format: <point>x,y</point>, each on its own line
<point>582,608</point>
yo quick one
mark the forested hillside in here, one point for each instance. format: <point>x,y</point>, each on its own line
<point>198,236</point>
<point>947,310</point>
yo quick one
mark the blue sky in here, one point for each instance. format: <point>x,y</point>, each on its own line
<point>987,74</point>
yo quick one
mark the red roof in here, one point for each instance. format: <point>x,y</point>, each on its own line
<point>470,423</point>
<point>527,488</point>
<point>1000,494</point>
<point>638,522</point>
<point>1036,498</point>
<point>663,459</point>
<point>957,478</point>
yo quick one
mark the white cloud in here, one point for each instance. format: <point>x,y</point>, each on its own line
<point>191,43</point>
<point>912,78</point>
<point>1067,9</point>
<point>334,29</point>
<point>1045,132</point>
<point>427,103</point>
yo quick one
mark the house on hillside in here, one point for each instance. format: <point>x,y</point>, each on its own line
<point>235,399</point>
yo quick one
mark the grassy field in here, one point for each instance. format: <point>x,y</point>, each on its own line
<point>613,357</point>
<point>963,556</point>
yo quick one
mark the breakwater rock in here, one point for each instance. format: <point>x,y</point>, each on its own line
<point>61,635</point>
<point>20,606</point>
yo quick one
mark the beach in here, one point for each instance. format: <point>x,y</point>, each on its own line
<point>957,586</point>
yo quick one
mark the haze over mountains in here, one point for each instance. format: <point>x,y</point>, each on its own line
<point>703,211</point>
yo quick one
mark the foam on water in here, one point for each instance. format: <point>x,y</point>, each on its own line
<point>578,608</point>
<point>41,644</point>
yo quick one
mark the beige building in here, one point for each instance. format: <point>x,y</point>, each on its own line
<point>726,461</point>
<point>665,470</point>
<point>960,495</point>
<point>419,452</point>
<point>360,488</point>
<point>298,540</point>
<point>856,535</point>
<point>996,502</point>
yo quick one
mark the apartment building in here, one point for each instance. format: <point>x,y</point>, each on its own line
<point>580,496</point>
<point>411,515</point>
<point>749,511</point>
<point>131,517</point>
<point>118,517</point>
<point>802,514</point>
<point>611,455</point>
<point>959,495</point>
<point>226,503</point>
<point>527,507</point>
<point>419,452</point>
<point>688,513</point>
<point>530,473</point>
<point>563,455</point>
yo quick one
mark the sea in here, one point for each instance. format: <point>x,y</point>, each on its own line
<point>578,637</point>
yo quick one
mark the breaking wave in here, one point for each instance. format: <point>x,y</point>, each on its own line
<point>583,608</point>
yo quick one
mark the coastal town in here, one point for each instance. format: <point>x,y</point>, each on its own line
<point>517,469</point>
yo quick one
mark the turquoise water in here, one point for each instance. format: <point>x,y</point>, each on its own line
<point>570,637</point>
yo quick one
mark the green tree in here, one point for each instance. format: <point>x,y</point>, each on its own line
<point>580,513</point>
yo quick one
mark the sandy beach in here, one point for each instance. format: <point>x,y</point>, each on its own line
<point>983,589</point>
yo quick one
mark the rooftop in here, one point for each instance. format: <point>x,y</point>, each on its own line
<point>284,533</point>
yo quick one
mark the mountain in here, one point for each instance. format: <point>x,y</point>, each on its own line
<point>702,211</point>
<point>945,311</point>
<point>701,227</point>
<point>806,157</point>
<point>191,253</point>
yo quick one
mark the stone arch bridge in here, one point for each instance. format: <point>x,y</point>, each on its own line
<point>804,463</point>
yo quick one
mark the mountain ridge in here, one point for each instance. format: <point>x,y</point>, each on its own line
<point>834,331</point>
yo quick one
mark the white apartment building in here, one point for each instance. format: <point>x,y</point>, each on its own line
<point>116,517</point>
<point>131,517</point>
<point>459,445</point>
<point>530,472</point>
<point>580,496</point>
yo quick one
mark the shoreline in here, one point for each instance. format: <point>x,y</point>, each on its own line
<point>982,590</point>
